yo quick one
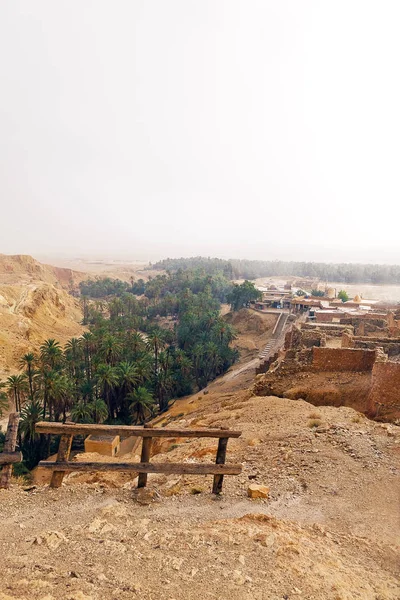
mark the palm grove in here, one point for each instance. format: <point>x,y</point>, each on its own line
<point>139,353</point>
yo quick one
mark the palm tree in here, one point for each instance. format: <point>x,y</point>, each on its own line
<point>128,378</point>
<point>164,380</point>
<point>156,343</point>
<point>198,358</point>
<point>136,343</point>
<point>56,390</point>
<point>88,346</point>
<point>61,396</point>
<point>116,308</point>
<point>184,362</point>
<point>27,362</point>
<point>17,388</point>
<point>107,378</point>
<point>144,367</point>
<point>223,332</point>
<point>141,404</point>
<point>45,379</point>
<point>81,412</point>
<point>127,374</point>
<point>99,411</point>
<point>110,349</point>
<point>213,359</point>
<point>183,373</point>
<point>31,414</point>
<point>51,353</point>
<point>73,350</point>
<point>73,355</point>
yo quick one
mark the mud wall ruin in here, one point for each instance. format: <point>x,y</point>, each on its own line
<point>297,338</point>
<point>342,359</point>
<point>384,399</point>
<point>330,329</point>
<point>390,346</point>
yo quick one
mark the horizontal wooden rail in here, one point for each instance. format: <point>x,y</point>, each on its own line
<point>178,468</point>
<point>8,458</point>
<point>67,431</point>
<point>127,431</point>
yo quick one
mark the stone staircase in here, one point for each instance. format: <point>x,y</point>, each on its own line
<point>268,348</point>
<point>276,334</point>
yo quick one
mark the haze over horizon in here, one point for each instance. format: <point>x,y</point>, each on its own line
<point>237,129</point>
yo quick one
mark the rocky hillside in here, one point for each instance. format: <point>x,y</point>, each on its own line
<point>21,268</point>
<point>34,306</point>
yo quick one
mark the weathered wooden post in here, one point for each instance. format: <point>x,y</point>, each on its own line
<point>9,446</point>
<point>64,450</point>
<point>145,457</point>
<point>221,455</point>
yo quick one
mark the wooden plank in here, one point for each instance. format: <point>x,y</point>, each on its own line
<point>9,446</point>
<point>179,468</point>
<point>127,430</point>
<point>145,457</point>
<point>220,460</point>
<point>7,458</point>
<point>64,450</point>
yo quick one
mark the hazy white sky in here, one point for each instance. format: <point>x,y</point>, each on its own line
<point>237,128</point>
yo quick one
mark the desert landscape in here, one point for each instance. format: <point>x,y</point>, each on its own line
<point>199,300</point>
<point>323,468</point>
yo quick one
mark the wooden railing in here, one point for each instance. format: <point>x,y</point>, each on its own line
<point>148,432</point>
<point>9,456</point>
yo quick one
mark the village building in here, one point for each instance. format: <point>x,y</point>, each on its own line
<point>103,444</point>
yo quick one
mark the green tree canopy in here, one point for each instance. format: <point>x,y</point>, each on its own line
<point>343,296</point>
<point>241,295</point>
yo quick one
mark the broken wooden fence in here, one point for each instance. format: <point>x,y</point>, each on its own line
<point>9,456</point>
<point>148,432</point>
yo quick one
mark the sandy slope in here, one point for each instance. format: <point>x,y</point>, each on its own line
<point>31,313</point>
<point>34,306</point>
<point>328,531</point>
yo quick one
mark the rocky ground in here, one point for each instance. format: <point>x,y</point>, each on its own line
<point>34,305</point>
<point>329,529</point>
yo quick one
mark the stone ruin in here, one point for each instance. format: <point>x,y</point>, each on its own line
<point>362,373</point>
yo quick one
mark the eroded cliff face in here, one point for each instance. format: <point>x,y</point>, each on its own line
<point>34,305</point>
<point>22,268</point>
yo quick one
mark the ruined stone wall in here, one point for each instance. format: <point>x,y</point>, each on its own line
<point>323,326</point>
<point>384,398</point>
<point>347,340</point>
<point>330,329</point>
<point>390,346</point>
<point>312,338</point>
<point>265,365</point>
<point>329,317</point>
<point>391,349</point>
<point>292,338</point>
<point>296,338</point>
<point>342,359</point>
